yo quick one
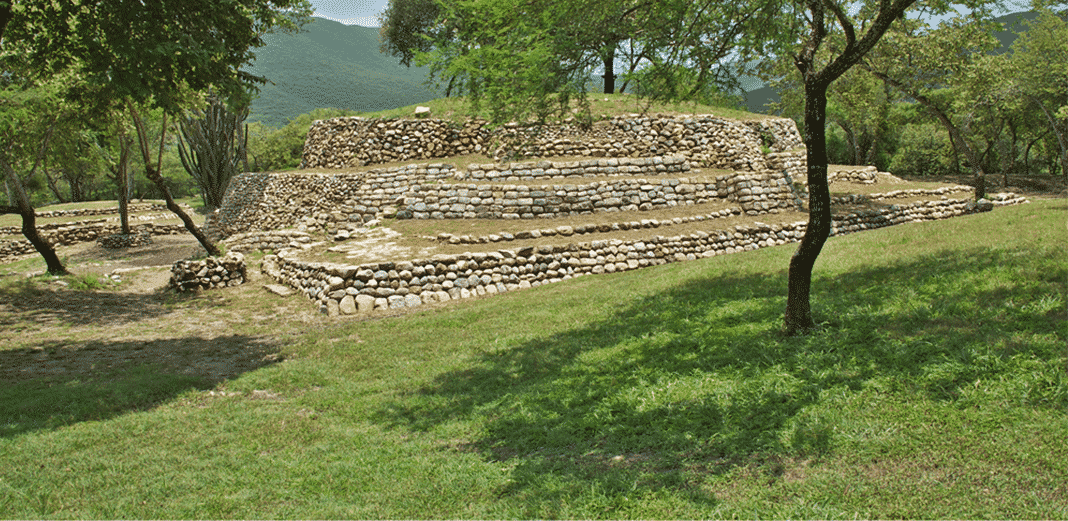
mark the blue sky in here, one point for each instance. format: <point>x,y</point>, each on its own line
<point>351,12</point>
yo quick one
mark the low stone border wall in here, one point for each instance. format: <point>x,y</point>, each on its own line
<point>72,234</point>
<point>48,227</point>
<point>120,240</point>
<point>274,240</point>
<point>564,169</point>
<point>43,227</point>
<point>1006,198</point>
<point>567,231</point>
<point>863,175</point>
<point>707,140</point>
<point>900,194</point>
<point>209,273</point>
<point>340,289</point>
<point>133,207</point>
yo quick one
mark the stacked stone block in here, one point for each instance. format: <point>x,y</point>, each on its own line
<point>209,273</point>
<point>257,201</point>
<point>536,170</point>
<point>340,289</point>
<point>268,240</point>
<point>706,140</point>
<point>355,141</point>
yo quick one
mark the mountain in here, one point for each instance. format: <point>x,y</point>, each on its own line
<point>332,65</point>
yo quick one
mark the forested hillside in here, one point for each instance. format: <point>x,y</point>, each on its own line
<point>332,65</point>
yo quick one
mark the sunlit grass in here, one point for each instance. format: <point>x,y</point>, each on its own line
<point>935,388</point>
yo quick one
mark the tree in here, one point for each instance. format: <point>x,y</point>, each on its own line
<point>74,163</point>
<point>532,58</point>
<point>28,115</point>
<point>858,103</point>
<point>213,148</point>
<point>927,64</point>
<point>157,52</point>
<point>116,153</point>
<point>1037,70</point>
<point>821,58</point>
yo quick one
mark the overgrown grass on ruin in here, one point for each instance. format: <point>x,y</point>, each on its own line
<point>605,106</point>
<point>935,388</point>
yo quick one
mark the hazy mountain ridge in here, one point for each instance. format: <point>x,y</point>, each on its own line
<point>332,65</point>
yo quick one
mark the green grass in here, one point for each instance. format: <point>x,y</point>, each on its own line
<point>935,388</point>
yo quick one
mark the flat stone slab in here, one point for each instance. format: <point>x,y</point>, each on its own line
<point>279,289</point>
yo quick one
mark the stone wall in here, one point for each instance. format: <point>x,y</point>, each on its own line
<point>67,234</point>
<point>209,273</point>
<point>256,201</point>
<point>83,212</point>
<point>342,289</point>
<point>708,141</point>
<point>539,170</point>
<point>331,201</point>
<point>268,240</point>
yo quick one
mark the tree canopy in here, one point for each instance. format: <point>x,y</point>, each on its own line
<point>121,54</point>
<point>148,51</point>
<point>531,58</point>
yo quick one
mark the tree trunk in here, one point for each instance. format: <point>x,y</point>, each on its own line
<point>124,201</point>
<point>610,73</point>
<point>152,172</point>
<point>29,223</point>
<point>798,309</point>
<point>153,175</point>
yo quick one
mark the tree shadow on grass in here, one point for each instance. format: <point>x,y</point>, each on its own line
<point>24,301</point>
<point>698,379</point>
<point>53,385</point>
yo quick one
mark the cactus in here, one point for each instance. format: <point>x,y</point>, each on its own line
<point>213,147</point>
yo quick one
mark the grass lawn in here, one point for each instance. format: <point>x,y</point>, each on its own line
<point>936,388</point>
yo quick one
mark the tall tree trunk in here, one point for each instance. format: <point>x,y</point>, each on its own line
<point>610,71</point>
<point>153,174</point>
<point>798,308</point>
<point>123,179</point>
<point>29,222</point>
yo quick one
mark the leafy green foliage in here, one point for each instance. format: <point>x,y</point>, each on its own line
<point>157,52</point>
<point>281,148</point>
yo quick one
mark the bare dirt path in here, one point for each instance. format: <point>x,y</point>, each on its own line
<point>58,333</point>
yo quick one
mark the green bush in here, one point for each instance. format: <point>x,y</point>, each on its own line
<point>272,148</point>
<point>923,149</point>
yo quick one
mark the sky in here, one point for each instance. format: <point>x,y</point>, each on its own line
<point>351,12</point>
